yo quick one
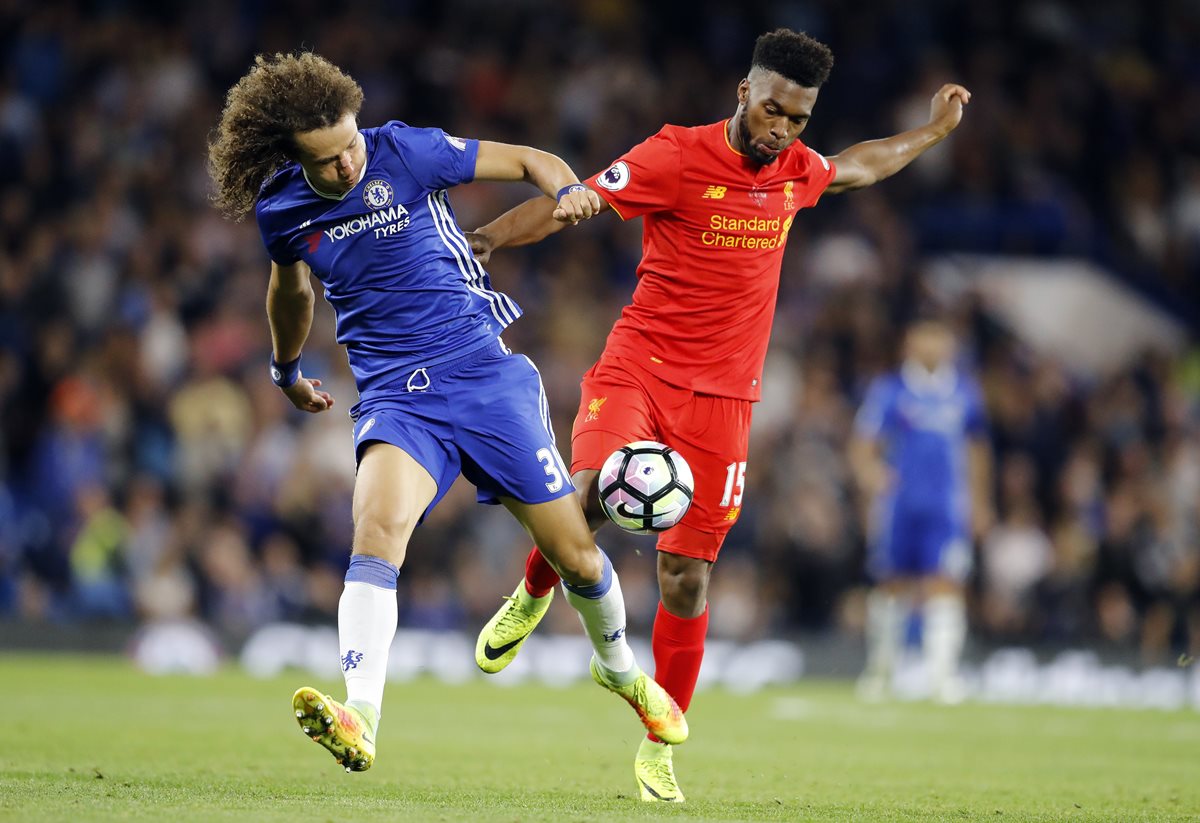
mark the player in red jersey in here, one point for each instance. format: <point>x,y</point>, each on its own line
<point>683,364</point>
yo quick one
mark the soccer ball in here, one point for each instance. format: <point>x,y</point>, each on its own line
<point>645,487</point>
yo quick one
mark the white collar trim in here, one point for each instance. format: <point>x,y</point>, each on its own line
<point>922,381</point>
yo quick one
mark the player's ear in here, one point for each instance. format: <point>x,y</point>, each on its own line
<point>743,90</point>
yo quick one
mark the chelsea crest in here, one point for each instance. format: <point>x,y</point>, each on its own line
<point>377,194</point>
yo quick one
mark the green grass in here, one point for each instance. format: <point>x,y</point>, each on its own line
<point>89,738</point>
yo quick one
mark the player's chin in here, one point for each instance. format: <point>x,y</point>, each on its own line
<point>764,155</point>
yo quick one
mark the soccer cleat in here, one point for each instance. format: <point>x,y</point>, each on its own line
<point>659,712</point>
<point>655,774</point>
<point>341,729</point>
<point>873,688</point>
<point>506,632</point>
<point>949,691</point>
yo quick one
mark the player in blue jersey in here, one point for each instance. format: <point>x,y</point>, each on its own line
<point>365,211</point>
<point>922,462</point>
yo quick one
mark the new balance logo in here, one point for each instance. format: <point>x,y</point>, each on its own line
<point>351,660</point>
<point>714,193</point>
<point>615,636</point>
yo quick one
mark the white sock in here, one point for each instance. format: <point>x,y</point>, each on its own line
<point>944,632</point>
<point>886,614</point>
<point>367,615</point>
<point>602,611</point>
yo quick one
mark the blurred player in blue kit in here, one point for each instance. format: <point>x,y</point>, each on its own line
<point>366,212</point>
<point>922,461</point>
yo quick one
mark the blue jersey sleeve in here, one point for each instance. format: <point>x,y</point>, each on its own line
<point>976,423</point>
<point>435,159</point>
<point>874,416</point>
<point>276,244</point>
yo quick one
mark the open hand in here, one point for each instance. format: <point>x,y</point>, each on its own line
<point>304,395</point>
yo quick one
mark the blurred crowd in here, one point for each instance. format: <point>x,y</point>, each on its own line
<point>149,469</point>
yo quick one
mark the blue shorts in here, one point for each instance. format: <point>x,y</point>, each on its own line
<point>483,415</point>
<point>918,543</point>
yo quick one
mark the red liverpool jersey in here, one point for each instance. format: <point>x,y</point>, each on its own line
<point>712,246</point>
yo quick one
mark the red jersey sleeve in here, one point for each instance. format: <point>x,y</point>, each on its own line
<point>644,179</point>
<point>816,175</point>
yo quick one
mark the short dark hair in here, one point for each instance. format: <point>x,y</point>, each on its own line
<point>794,55</point>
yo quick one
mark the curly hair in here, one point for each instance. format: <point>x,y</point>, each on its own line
<point>279,96</point>
<point>794,55</point>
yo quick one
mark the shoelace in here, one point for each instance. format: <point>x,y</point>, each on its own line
<point>510,620</point>
<point>663,774</point>
<point>644,697</point>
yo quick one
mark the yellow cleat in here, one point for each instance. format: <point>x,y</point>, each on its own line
<point>657,709</point>
<point>341,729</point>
<point>506,632</point>
<point>655,774</point>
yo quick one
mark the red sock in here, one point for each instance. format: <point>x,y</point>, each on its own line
<point>540,576</point>
<point>678,644</point>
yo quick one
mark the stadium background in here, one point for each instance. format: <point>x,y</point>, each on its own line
<point>149,471</point>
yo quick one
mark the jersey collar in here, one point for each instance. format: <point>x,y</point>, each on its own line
<point>921,381</point>
<point>725,134</point>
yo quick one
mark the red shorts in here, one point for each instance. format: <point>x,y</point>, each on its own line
<point>623,402</point>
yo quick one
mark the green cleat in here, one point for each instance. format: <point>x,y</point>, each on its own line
<point>343,730</point>
<point>506,632</point>
<point>657,709</point>
<point>655,774</point>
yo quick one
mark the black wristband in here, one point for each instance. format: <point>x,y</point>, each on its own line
<point>285,374</point>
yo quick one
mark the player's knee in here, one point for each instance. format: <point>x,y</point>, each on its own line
<point>578,565</point>
<point>384,535</point>
<point>683,584</point>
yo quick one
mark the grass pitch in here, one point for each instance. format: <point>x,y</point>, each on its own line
<point>89,738</point>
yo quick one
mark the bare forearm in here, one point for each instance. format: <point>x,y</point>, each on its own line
<point>880,159</point>
<point>979,471</point>
<point>866,466</point>
<point>548,172</point>
<point>290,313</point>
<point>527,223</point>
<point>867,163</point>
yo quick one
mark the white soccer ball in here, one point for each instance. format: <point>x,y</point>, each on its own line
<point>645,487</point>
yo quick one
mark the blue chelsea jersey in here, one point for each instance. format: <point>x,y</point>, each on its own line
<point>396,267</point>
<point>924,423</point>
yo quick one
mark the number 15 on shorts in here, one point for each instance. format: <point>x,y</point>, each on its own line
<point>735,484</point>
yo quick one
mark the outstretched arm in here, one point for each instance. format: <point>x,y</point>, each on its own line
<point>550,173</point>
<point>527,223</point>
<point>865,164</point>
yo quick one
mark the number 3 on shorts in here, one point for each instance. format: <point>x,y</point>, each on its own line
<point>555,469</point>
<point>734,471</point>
